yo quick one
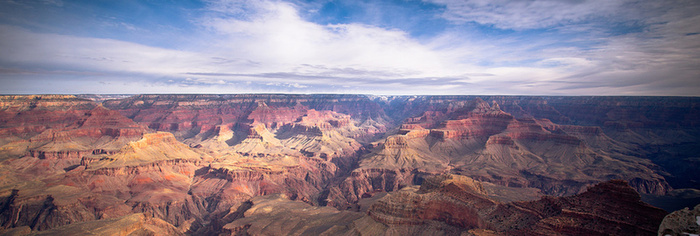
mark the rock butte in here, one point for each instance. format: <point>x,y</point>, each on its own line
<point>345,164</point>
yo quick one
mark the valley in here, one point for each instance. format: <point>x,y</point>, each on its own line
<point>330,164</point>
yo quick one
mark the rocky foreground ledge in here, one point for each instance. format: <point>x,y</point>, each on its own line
<point>455,205</point>
<point>443,205</point>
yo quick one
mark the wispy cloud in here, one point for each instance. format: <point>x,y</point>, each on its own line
<point>531,14</point>
<point>278,36</point>
<point>490,47</point>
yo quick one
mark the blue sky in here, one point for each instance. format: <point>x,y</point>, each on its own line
<point>523,47</point>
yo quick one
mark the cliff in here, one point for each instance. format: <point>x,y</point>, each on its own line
<point>454,205</point>
<point>608,208</point>
<point>477,139</point>
<point>344,164</point>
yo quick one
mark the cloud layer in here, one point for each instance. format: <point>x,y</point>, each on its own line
<point>532,47</point>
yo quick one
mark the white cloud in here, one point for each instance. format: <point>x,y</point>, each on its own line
<point>528,14</point>
<point>266,46</point>
<point>91,54</point>
<point>280,38</point>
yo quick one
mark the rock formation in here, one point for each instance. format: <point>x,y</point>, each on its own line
<point>344,164</point>
<point>454,205</point>
<point>681,222</point>
<point>608,208</point>
<point>134,224</point>
<point>479,140</point>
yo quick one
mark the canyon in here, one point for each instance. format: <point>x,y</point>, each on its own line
<point>332,164</point>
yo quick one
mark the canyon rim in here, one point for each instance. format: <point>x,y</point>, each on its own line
<point>271,164</point>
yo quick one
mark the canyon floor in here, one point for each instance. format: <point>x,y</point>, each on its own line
<point>293,164</point>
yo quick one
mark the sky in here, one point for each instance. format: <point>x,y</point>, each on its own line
<point>383,47</point>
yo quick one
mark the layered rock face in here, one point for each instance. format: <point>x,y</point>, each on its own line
<point>607,208</point>
<point>196,117</point>
<point>61,127</point>
<point>151,175</point>
<point>455,205</point>
<point>71,160</point>
<point>234,164</point>
<point>292,144</point>
<point>479,140</point>
<point>662,129</point>
<point>105,165</point>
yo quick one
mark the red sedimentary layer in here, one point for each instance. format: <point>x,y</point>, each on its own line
<point>100,167</point>
<point>610,207</point>
<point>478,125</point>
<point>67,128</point>
<point>200,114</point>
<point>511,145</point>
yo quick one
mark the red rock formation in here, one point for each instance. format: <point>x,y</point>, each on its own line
<point>275,116</point>
<point>98,164</point>
<point>187,114</point>
<point>610,207</point>
<point>151,175</point>
<point>435,200</point>
<point>481,141</point>
<point>60,132</point>
<point>61,129</point>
